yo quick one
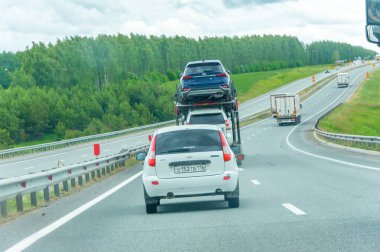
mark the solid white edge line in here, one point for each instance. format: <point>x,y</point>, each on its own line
<point>23,244</point>
<point>323,157</point>
<point>293,209</point>
<point>255,182</point>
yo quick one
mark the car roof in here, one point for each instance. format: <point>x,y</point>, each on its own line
<point>206,111</point>
<point>187,127</point>
<point>203,61</point>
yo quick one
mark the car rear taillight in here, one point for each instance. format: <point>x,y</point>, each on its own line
<point>186,77</point>
<point>221,75</point>
<point>152,153</point>
<point>226,151</point>
<point>185,89</point>
<point>228,124</point>
<point>224,85</point>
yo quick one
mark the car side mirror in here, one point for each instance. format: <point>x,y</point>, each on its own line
<point>141,156</point>
<point>373,21</point>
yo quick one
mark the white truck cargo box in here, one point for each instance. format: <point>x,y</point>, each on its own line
<point>288,109</point>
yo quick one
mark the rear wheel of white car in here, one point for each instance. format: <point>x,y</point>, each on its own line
<point>151,208</point>
<point>233,198</point>
<point>151,203</point>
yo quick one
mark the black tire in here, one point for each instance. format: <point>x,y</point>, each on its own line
<point>233,198</point>
<point>239,162</point>
<point>151,203</point>
<point>151,208</point>
<point>233,203</point>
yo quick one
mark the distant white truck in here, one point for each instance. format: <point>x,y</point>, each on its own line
<point>288,109</point>
<point>273,106</point>
<point>343,79</point>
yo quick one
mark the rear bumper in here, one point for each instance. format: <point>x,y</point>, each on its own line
<point>191,186</point>
<point>216,92</point>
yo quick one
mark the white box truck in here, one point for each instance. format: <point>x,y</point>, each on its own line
<point>273,106</point>
<point>342,79</point>
<point>288,109</point>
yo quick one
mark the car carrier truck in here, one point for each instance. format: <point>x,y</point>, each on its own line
<point>231,110</point>
<point>288,109</point>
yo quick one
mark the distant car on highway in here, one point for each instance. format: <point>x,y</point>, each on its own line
<point>189,160</point>
<point>214,116</point>
<point>205,80</point>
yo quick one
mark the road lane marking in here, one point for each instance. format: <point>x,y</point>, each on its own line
<point>255,182</point>
<point>323,157</point>
<point>28,168</point>
<point>25,243</point>
<point>293,209</point>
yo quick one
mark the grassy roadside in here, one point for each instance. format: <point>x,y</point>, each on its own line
<point>251,85</point>
<point>360,115</point>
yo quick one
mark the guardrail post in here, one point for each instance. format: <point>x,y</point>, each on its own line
<point>103,171</point>
<point>33,198</point>
<point>73,182</point>
<point>65,186</point>
<point>93,175</point>
<point>80,180</point>
<point>108,170</point>
<point>19,205</point>
<point>4,208</point>
<point>56,190</point>
<point>112,167</point>
<point>98,173</point>
<point>87,176</point>
<point>46,194</point>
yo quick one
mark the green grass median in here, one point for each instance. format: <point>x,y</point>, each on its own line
<point>361,114</point>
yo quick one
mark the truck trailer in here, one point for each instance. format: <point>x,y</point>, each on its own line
<point>342,79</point>
<point>288,109</point>
<point>273,106</point>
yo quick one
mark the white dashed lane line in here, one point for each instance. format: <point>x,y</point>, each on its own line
<point>28,168</point>
<point>240,169</point>
<point>255,182</point>
<point>293,209</point>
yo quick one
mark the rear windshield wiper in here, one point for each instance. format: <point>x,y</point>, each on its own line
<point>176,150</point>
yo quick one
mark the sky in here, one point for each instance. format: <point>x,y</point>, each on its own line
<point>25,21</point>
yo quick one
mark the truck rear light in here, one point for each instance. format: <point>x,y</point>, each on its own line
<point>221,75</point>
<point>186,77</point>
<point>185,89</point>
<point>152,153</point>
<point>239,156</point>
<point>226,152</point>
<point>228,124</point>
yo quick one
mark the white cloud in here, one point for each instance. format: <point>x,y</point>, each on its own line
<point>22,22</point>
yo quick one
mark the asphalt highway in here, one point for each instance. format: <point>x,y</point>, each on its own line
<point>296,194</point>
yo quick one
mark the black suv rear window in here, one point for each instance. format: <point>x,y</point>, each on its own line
<point>200,68</point>
<point>196,140</point>
<point>216,118</point>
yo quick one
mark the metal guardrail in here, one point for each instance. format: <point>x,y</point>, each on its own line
<point>42,181</point>
<point>70,142</point>
<point>363,142</point>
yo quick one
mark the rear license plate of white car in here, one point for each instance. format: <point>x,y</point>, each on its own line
<point>190,168</point>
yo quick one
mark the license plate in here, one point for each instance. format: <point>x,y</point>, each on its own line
<point>190,168</point>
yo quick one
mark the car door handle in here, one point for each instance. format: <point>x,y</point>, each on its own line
<point>214,156</point>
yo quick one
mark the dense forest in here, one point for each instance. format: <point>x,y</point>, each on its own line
<point>85,85</point>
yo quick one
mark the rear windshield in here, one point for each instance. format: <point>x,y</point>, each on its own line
<point>197,140</point>
<point>199,69</point>
<point>216,118</point>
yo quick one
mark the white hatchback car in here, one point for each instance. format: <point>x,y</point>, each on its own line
<point>189,160</point>
<point>214,116</point>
